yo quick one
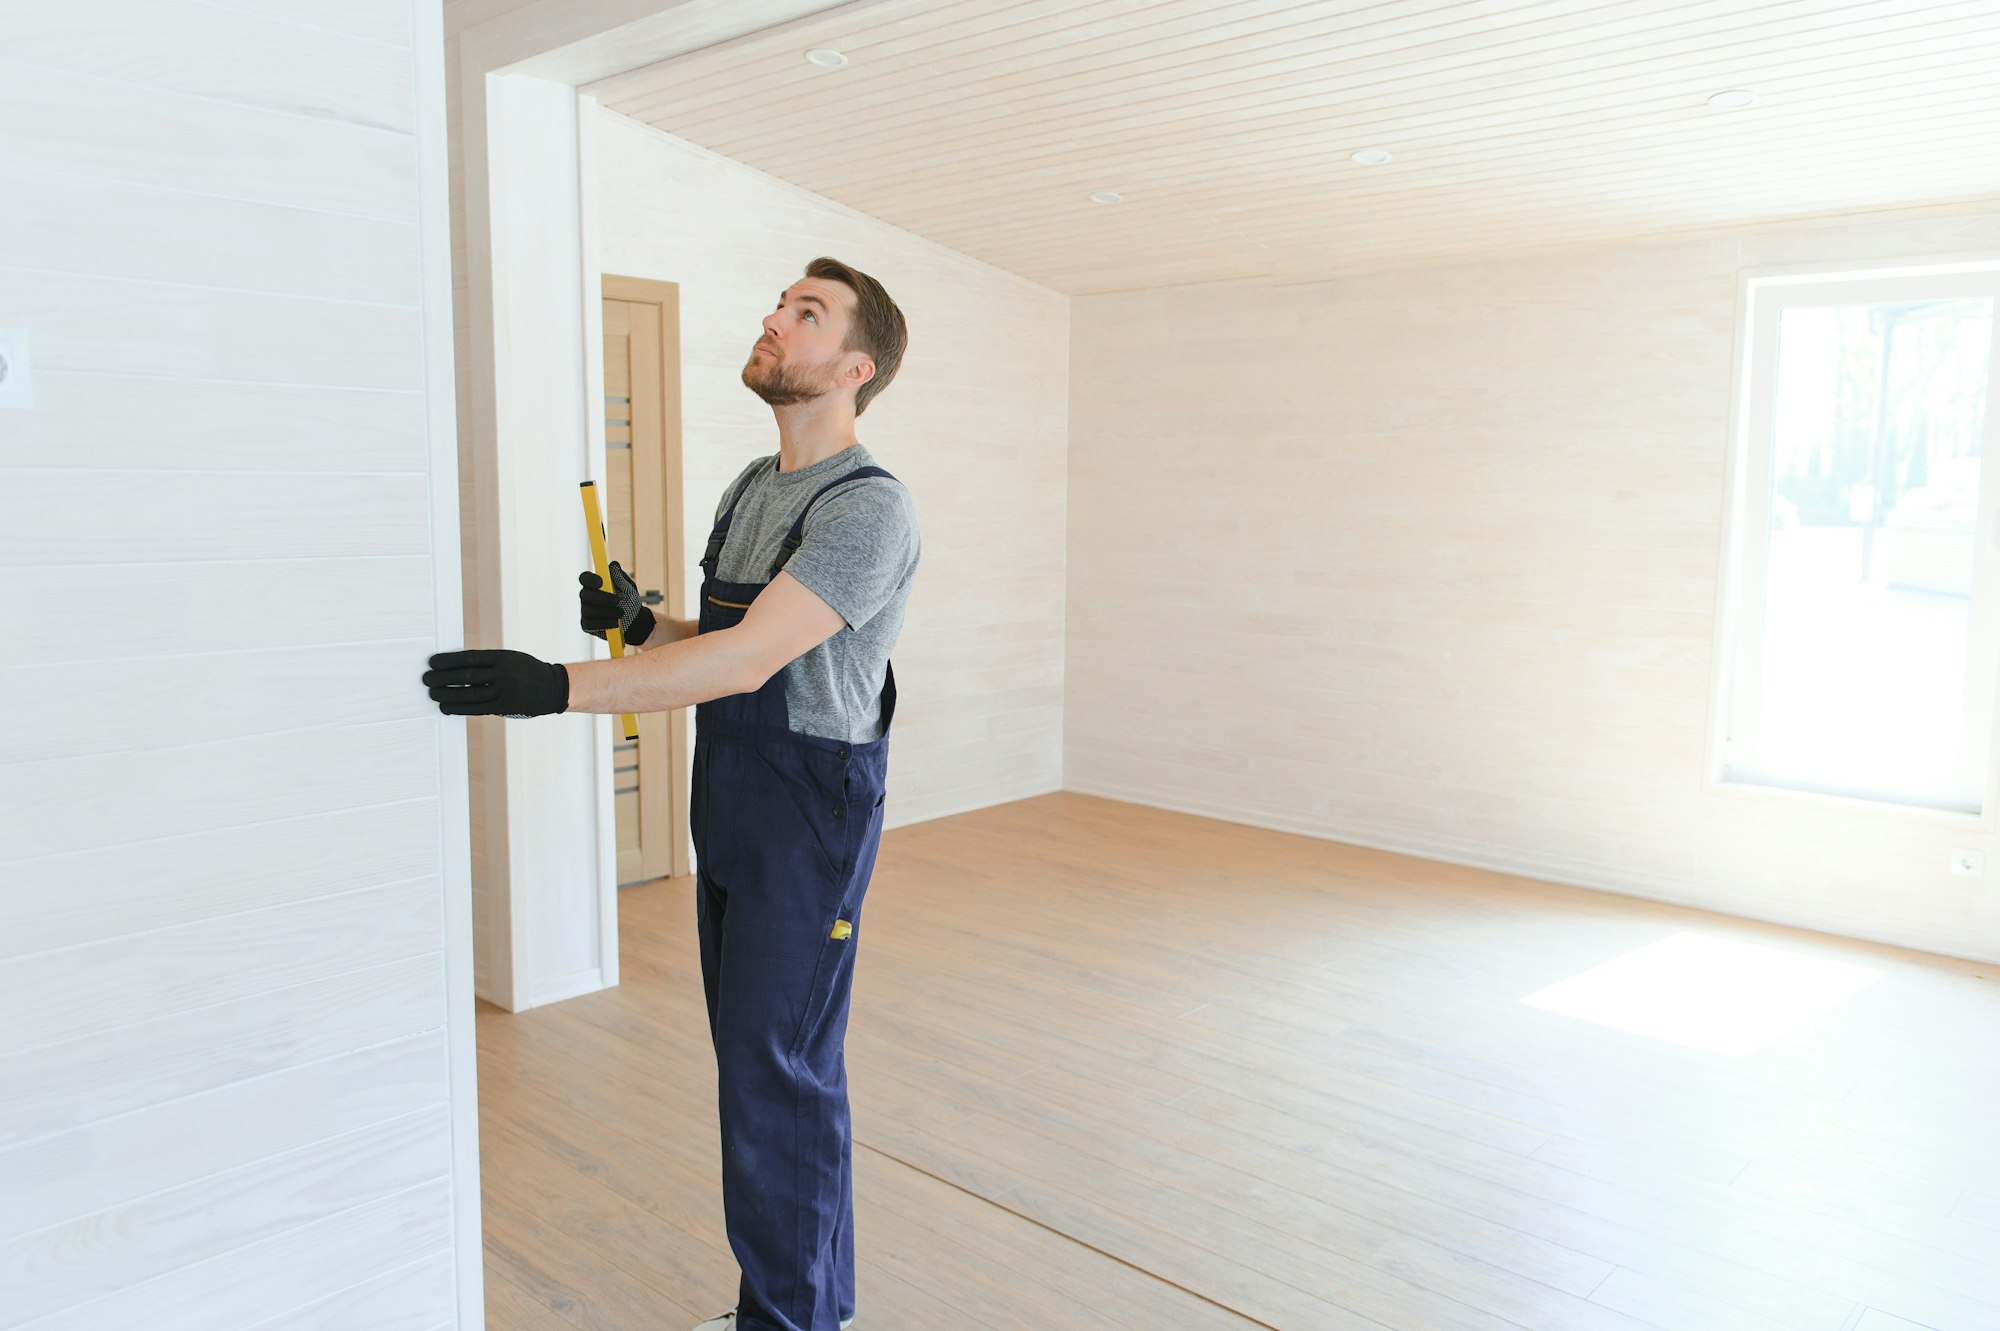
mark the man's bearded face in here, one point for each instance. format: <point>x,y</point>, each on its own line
<point>782,385</point>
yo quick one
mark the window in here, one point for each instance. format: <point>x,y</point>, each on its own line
<point>1860,638</point>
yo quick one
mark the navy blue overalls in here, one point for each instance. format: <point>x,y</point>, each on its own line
<point>785,829</point>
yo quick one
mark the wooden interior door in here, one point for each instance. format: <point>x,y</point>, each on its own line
<point>642,441</point>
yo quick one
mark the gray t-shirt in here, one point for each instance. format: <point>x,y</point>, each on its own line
<point>858,553</point>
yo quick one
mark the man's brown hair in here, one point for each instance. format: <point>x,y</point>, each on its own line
<point>877,329</point>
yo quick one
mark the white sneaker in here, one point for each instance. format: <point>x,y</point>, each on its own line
<point>727,1322</point>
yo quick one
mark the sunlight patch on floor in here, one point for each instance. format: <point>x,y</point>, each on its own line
<point>1708,993</point>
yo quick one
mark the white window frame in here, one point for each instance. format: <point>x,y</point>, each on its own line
<point>1762,296</point>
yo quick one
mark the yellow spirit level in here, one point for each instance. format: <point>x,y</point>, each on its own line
<point>593,521</point>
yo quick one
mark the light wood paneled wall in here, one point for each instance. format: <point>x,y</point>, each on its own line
<point>1429,560</point>
<point>227,881</point>
<point>975,424</point>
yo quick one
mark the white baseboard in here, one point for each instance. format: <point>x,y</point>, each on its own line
<point>1642,886</point>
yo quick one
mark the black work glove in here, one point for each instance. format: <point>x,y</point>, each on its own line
<point>619,607</point>
<point>496,683</point>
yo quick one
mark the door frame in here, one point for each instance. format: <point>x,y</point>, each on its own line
<point>545,901</point>
<point>453,775</point>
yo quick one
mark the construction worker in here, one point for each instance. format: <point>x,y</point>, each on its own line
<point>804,582</point>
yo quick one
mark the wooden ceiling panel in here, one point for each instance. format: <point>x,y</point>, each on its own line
<point>1586,171</point>
<point>1537,112</point>
<point>1228,125</point>
<point>1319,72</point>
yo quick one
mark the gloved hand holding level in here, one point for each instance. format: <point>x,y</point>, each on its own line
<point>620,607</point>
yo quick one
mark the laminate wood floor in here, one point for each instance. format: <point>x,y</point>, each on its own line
<point>1114,1067</point>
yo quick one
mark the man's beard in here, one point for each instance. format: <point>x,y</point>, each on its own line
<point>786,386</point>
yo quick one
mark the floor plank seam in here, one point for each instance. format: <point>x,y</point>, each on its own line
<point>1068,1238</point>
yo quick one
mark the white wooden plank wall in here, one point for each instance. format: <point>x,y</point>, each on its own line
<point>975,423</point>
<point>1428,560</point>
<point>224,1083</point>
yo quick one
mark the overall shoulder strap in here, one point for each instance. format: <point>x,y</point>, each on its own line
<point>720,532</point>
<point>795,537</point>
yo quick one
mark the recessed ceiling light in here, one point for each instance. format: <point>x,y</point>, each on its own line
<point>1373,156</point>
<point>1733,100</point>
<point>826,58</point>
<point>1107,196</point>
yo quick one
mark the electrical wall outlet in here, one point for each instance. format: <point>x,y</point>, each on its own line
<point>1971,863</point>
